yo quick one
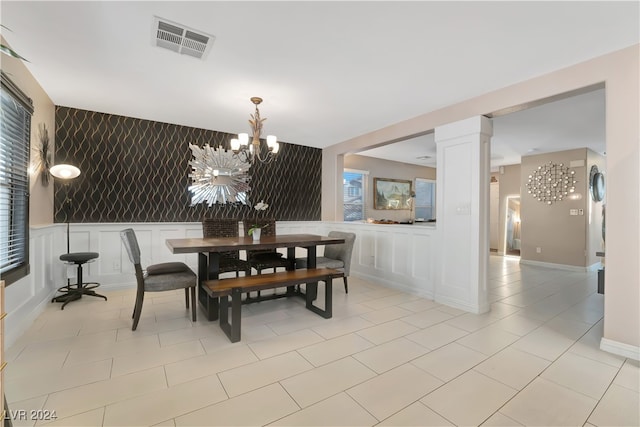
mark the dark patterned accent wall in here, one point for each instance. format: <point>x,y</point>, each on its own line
<point>136,170</point>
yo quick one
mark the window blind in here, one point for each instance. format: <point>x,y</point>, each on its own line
<point>15,135</point>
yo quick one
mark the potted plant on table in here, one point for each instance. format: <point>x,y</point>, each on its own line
<point>256,229</point>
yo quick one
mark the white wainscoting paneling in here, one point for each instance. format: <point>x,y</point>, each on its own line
<point>395,255</point>
<point>398,256</point>
<point>26,298</point>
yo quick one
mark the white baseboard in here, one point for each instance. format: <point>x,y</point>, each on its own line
<point>621,349</point>
<point>21,324</point>
<point>393,285</point>
<point>593,267</point>
<point>462,305</point>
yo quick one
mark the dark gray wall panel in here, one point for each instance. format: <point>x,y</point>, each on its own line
<point>136,170</point>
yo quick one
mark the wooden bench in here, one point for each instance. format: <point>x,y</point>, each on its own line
<point>235,287</point>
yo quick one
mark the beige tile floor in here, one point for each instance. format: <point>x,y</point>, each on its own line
<point>386,358</point>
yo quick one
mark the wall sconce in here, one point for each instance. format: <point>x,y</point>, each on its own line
<point>63,171</point>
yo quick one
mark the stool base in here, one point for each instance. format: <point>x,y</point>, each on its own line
<point>70,293</point>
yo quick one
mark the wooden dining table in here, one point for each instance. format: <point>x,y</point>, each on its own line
<point>209,249</point>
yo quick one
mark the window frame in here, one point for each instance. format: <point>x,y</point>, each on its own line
<point>365,175</point>
<point>433,205</point>
<point>21,150</point>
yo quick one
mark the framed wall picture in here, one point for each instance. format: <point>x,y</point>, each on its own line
<point>391,194</point>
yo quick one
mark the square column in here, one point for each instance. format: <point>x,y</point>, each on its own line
<point>462,203</point>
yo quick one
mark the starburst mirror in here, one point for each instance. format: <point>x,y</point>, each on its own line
<point>217,176</point>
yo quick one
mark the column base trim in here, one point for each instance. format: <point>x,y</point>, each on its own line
<point>619,348</point>
<point>463,305</point>
<point>593,267</point>
<point>408,288</point>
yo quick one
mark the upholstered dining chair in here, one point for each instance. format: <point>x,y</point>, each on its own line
<point>335,256</point>
<point>226,227</point>
<point>158,277</point>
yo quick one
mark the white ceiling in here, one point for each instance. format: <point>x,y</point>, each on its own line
<point>328,71</point>
<point>575,122</point>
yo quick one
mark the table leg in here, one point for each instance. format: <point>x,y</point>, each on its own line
<point>312,288</point>
<point>291,256</point>
<point>208,268</point>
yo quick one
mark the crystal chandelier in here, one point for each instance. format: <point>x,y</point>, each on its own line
<point>250,153</point>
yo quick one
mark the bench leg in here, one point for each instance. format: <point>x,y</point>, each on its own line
<point>208,264</point>
<point>208,304</point>
<point>328,301</point>
<point>311,289</point>
<point>231,330</point>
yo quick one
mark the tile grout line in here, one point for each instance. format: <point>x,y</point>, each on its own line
<point>560,385</point>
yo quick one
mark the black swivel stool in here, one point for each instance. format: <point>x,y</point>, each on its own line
<point>70,293</point>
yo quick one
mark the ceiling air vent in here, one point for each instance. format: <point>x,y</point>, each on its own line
<point>180,38</point>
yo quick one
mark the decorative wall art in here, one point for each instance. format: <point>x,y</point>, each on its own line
<point>551,182</point>
<point>391,194</point>
<point>596,184</point>
<point>217,176</point>
<point>43,159</point>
